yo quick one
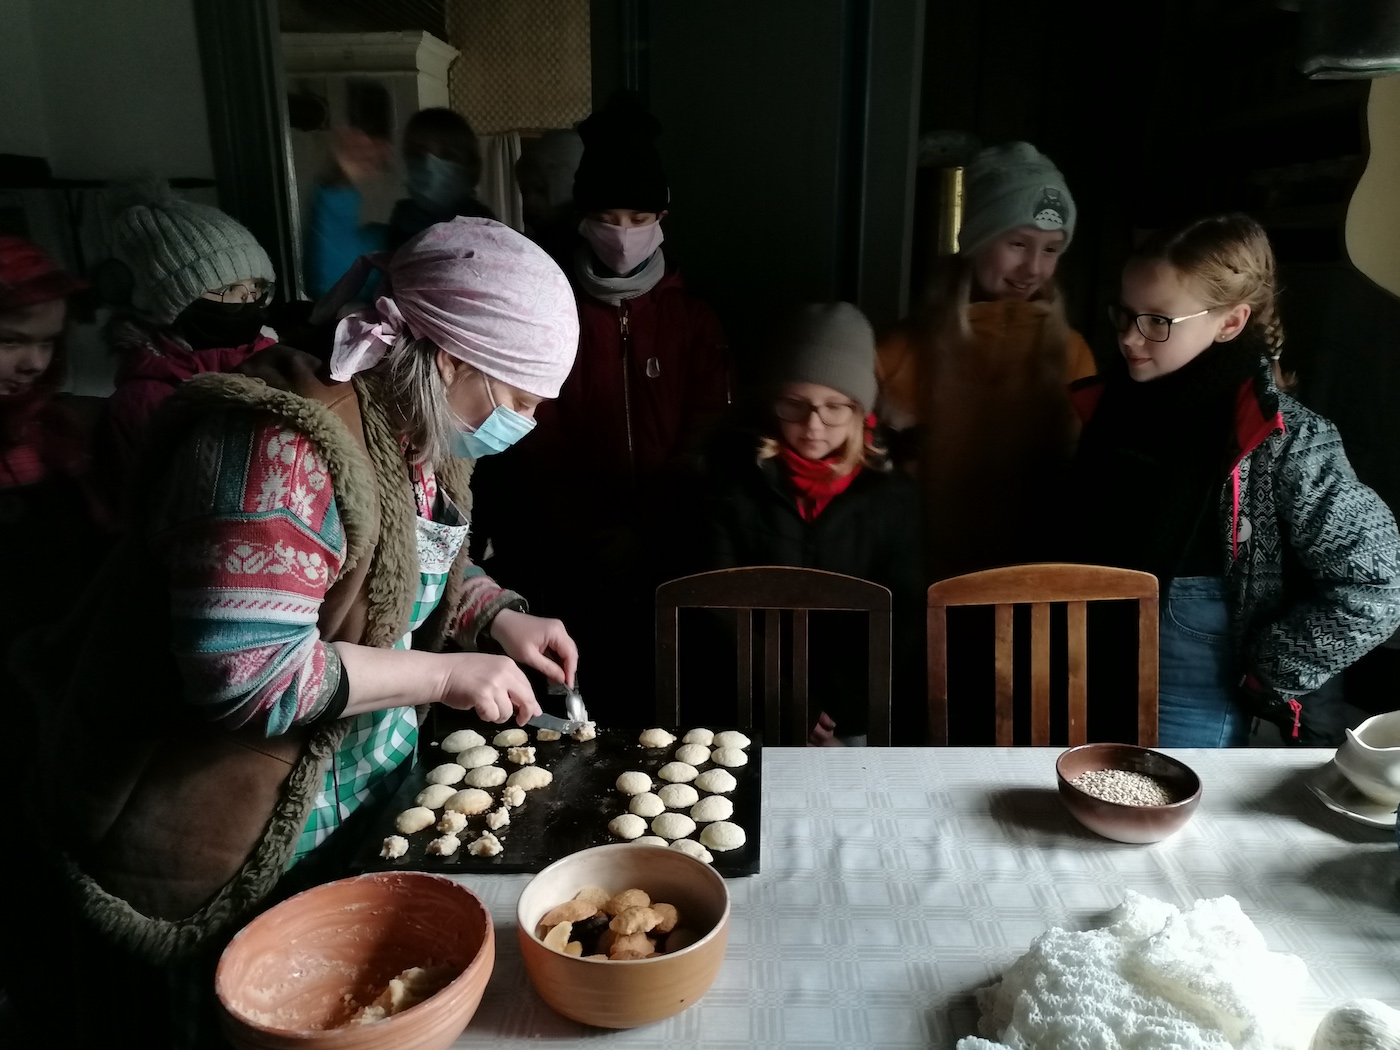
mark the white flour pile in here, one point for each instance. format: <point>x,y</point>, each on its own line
<point>1156,979</point>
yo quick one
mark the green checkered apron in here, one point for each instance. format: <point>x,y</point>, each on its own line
<point>378,748</point>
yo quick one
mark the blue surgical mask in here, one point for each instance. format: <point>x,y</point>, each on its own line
<point>498,431</point>
<point>437,185</point>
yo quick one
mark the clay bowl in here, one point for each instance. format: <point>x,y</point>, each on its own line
<point>1115,820</point>
<point>626,994</point>
<point>283,979</point>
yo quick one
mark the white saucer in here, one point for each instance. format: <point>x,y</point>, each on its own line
<point>1339,795</point>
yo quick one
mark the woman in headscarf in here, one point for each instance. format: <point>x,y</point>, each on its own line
<point>244,677</point>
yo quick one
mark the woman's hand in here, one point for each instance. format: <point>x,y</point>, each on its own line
<point>823,734</point>
<point>539,643</point>
<point>492,686</point>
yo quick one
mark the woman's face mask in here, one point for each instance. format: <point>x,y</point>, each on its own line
<point>437,185</point>
<point>622,248</point>
<point>209,325</point>
<point>497,432</point>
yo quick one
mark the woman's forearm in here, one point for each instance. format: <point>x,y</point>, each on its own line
<point>381,678</point>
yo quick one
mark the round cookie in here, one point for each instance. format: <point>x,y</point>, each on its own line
<point>447,773</point>
<point>633,783</point>
<point>486,777</point>
<point>731,738</point>
<point>650,840</point>
<point>711,808</point>
<point>627,826</point>
<point>416,819</point>
<point>646,805</point>
<point>693,754</point>
<point>511,738</point>
<point>723,836</point>
<point>434,795</point>
<point>691,848</point>
<point>673,825</point>
<point>728,756</point>
<point>469,802</point>
<point>481,755</point>
<point>678,772</point>
<point>652,738</point>
<point>716,781</point>
<point>462,740</point>
<point>703,737</point>
<point>530,778</point>
<point>678,796</point>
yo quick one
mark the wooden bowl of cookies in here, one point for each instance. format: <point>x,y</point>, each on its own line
<point>621,936</point>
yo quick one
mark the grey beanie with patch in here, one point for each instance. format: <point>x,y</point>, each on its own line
<point>178,250</point>
<point>831,344</point>
<point>1009,186</point>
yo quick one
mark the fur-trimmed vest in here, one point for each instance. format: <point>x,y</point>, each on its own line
<point>173,830</point>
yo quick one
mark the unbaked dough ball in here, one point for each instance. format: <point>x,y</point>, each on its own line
<point>444,846</point>
<point>711,808</point>
<point>416,819</point>
<point>627,826</point>
<point>716,781</point>
<point>486,777</point>
<point>722,836</point>
<point>548,736</point>
<point>531,778</point>
<point>633,783</point>
<point>691,848</point>
<point>703,737</point>
<point>469,802</point>
<point>678,796</point>
<point>395,846</point>
<point>486,846</point>
<point>520,756</point>
<point>498,818</point>
<point>693,754</point>
<point>731,738</point>
<point>728,756</point>
<point>513,796</point>
<point>451,822</point>
<point>673,825</point>
<point>434,795</point>
<point>650,840</point>
<point>475,757</point>
<point>511,738</point>
<point>678,772</point>
<point>447,773</point>
<point>646,805</point>
<point>585,732</point>
<point>462,740</point>
<point>656,738</point>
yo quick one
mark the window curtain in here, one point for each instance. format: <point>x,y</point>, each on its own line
<point>498,189</point>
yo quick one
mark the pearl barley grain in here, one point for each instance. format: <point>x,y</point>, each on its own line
<point>1124,787</point>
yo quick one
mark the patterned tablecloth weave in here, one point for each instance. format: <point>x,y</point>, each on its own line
<point>895,882</point>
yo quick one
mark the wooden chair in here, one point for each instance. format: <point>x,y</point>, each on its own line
<point>1040,586</point>
<point>774,590</point>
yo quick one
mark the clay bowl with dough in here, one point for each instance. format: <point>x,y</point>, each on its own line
<point>631,993</point>
<point>283,979</point>
<point>1119,821</point>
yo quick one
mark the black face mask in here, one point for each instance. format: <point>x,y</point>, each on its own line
<point>209,325</point>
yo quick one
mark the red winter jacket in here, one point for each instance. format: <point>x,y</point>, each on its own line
<point>650,372</point>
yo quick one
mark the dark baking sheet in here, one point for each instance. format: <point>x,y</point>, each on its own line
<point>571,814</point>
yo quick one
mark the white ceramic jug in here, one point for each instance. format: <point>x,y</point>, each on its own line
<point>1370,758</point>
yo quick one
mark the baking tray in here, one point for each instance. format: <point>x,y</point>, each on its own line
<point>571,814</point>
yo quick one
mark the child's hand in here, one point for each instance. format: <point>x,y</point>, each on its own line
<point>823,734</point>
<point>360,156</point>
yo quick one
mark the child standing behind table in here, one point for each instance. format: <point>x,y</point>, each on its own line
<point>1278,568</point>
<point>813,491</point>
<point>975,382</point>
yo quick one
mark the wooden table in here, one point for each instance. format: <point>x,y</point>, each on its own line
<point>897,881</point>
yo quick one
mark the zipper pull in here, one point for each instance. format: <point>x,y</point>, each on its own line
<point>622,323</point>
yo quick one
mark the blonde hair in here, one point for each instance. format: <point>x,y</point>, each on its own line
<point>418,395</point>
<point>1229,260</point>
<point>859,449</point>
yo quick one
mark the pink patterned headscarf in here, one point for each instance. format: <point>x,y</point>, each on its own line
<point>478,290</point>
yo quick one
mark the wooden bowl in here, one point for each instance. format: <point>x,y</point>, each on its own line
<point>283,980</point>
<point>626,994</point>
<point>1116,820</point>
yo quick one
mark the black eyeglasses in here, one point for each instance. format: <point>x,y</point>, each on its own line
<point>1153,327</point>
<point>256,291</point>
<point>795,410</point>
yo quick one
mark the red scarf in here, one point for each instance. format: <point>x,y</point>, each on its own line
<point>815,480</point>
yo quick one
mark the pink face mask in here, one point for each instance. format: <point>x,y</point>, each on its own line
<point>622,248</point>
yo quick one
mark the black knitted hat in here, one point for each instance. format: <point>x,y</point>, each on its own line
<point>621,167</point>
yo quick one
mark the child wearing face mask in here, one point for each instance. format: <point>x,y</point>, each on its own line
<point>651,372</point>
<point>812,490</point>
<point>975,382</point>
<point>201,285</point>
<point>442,166</point>
<point>1278,568</point>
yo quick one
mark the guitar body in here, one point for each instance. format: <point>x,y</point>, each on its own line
<point>1373,216</point>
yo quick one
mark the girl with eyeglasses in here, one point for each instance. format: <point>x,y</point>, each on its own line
<point>814,491</point>
<point>201,286</point>
<point>1278,568</point>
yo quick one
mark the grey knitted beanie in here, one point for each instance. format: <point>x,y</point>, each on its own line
<point>831,344</point>
<point>178,250</point>
<point>1009,186</point>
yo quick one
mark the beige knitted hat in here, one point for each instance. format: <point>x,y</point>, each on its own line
<point>178,250</point>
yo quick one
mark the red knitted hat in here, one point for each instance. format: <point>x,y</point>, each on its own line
<point>29,276</point>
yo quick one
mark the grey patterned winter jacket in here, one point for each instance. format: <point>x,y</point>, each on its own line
<point>1311,556</point>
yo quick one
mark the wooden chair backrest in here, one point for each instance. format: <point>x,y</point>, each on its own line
<point>774,590</point>
<point>1040,586</point>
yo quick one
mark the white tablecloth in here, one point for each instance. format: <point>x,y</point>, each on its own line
<point>897,881</point>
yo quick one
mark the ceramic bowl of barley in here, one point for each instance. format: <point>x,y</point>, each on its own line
<point>1127,793</point>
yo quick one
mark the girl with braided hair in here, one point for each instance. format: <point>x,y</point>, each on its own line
<point>1278,568</point>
